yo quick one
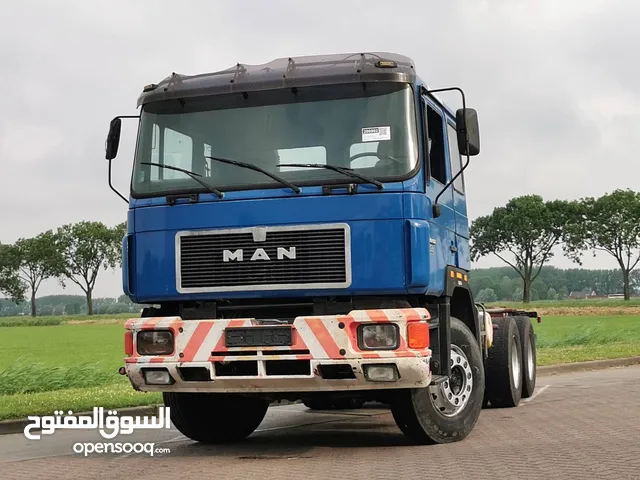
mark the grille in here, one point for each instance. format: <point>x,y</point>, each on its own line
<point>322,259</point>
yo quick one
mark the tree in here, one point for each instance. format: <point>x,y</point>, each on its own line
<point>541,288</point>
<point>39,259</point>
<point>487,295</point>
<point>10,284</point>
<point>552,294</point>
<point>609,224</point>
<point>526,230</point>
<point>88,247</point>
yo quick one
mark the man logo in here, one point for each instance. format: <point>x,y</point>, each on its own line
<point>258,254</point>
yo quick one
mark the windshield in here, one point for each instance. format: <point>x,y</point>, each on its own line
<point>369,128</point>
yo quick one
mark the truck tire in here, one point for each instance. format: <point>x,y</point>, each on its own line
<point>214,417</point>
<point>448,411</point>
<point>504,365</point>
<point>529,359</point>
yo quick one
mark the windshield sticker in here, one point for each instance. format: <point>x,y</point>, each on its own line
<point>376,134</point>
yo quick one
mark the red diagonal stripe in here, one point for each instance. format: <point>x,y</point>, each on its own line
<point>151,323</point>
<point>377,315</point>
<point>298,341</point>
<point>194,343</point>
<point>319,329</point>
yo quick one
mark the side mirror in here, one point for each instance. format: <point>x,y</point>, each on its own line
<point>113,139</point>
<point>467,124</point>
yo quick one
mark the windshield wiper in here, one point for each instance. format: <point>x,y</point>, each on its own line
<point>345,171</point>
<point>251,166</point>
<point>193,175</point>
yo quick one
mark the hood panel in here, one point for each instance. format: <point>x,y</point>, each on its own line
<point>270,211</point>
<point>375,228</point>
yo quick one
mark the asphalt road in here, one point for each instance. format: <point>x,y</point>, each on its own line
<point>579,425</point>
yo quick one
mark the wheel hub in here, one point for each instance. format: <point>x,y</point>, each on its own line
<point>515,364</point>
<point>451,396</point>
<point>530,362</point>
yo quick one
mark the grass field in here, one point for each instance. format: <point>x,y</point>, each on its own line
<point>74,366</point>
<point>564,339</point>
<point>26,321</point>
<point>577,307</point>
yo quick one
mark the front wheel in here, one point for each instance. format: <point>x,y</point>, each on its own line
<point>214,417</point>
<point>448,411</point>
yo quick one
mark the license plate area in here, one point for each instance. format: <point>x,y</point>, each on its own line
<point>279,336</point>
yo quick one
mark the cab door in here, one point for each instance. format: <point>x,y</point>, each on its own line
<point>459,200</point>
<point>442,241</point>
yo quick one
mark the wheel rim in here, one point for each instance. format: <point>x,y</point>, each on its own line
<point>530,362</point>
<point>451,396</point>
<point>515,363</point>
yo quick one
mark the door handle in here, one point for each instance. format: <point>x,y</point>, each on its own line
<point>453,248</point>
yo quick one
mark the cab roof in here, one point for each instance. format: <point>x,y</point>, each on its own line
<point>286,73</point>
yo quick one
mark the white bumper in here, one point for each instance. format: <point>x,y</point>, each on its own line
<point>412,373</point>
<point>323,355</point>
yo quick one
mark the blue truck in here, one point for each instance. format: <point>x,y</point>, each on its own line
<point>298,231</point>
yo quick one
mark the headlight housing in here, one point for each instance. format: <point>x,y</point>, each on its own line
<point>155,342</point>
<point>378,336</point>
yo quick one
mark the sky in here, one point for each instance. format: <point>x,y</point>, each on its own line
<point>554,83</point>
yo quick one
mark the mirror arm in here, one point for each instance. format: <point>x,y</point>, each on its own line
<point>113,188</point>
<point>436,207</point>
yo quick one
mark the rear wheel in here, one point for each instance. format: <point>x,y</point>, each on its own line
<point>215,418</point>
<point>504,365</point>
<point>448,411</point>
<point>528,342</point>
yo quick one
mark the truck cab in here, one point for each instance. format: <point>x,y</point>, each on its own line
<point>309,211</point>
<point>345,231</point>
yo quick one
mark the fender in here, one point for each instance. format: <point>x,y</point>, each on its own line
<point>456,300</point>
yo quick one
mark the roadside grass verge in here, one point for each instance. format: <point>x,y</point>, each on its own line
<point>566,339</point>
<point>63,346</point>
<point>21,377</point>
<point>118,395</point>
<point>585,353</point>
<point>578,330</point>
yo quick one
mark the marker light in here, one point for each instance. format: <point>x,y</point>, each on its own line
<point>378,336</point>
<point>418,335</point>
<point>386,64</point>
<point>128,343</point>
<point>154,342</point>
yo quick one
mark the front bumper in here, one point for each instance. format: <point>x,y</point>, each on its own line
<point>324,356</point>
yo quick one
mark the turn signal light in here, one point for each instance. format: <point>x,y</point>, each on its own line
<point>418,335</point>
<point>128,343</point>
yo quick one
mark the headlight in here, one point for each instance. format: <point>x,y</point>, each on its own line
<point>378,336</point>
<point>155,342</point>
